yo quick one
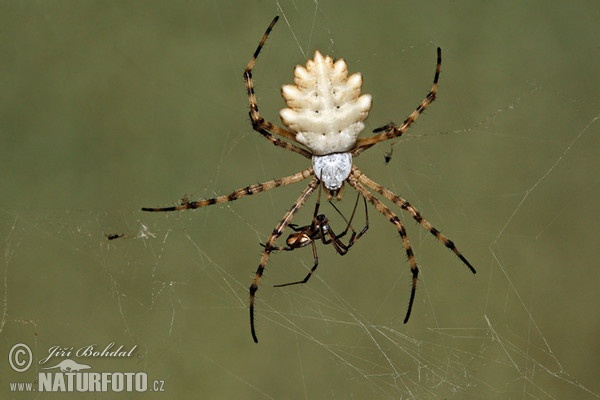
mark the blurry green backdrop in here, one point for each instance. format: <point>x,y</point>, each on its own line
<point>106,107</point>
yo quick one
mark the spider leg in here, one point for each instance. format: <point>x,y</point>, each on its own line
<point>258,122</point>
<point>236,194</point>
<point>287,218</point>
<point>295,227</point>
<point>405,205</point>
<point>390,130</point>
<point>314,267</point>
<point>393,218</point>
<point>337,244</point>
<point>279,248</point>
<point>354,237</point>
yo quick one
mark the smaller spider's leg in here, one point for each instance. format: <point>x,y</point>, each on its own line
<point>314,267</point>
<point>354,237</point>
<point>279,248</point>
<point>295,227</point>
<point>334,240</point>
<point>236,194</point>
<point>285,221</point>
<point>393,218</point>
<point>390,131</point>
<point>366,227</point>
<point>328,236</point>
<point>347,221</point>
<point>338,245</point>
<point>366,218</point>
<point>405,205</point>
<point>318,203</point>
<point>258,122</point>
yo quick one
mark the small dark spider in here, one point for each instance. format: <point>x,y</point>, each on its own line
<point>320,229</point>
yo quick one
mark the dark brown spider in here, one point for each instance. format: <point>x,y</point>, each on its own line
<point>321,229</point>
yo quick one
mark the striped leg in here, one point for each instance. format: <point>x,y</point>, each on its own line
<point>405,205</point>
<point>269,246</point>
<point>393,218</point>
<point>248,190</point>
<point>390,130</point>
<point>258,122</point>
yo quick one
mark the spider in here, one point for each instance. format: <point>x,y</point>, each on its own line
<point>320,229</point>
<point>324,116</point>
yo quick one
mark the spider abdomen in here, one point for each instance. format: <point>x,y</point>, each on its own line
<point>325,107</point>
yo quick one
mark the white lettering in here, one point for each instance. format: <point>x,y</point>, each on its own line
<point>118,382</point>
<point>57,351</point>
<point>92,382</point>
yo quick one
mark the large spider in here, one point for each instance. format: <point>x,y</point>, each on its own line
<point>324,117</point>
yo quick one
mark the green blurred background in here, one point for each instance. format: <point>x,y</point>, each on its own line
<point>106,107</point>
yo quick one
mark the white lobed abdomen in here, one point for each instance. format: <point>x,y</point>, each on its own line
<point>325,107</point>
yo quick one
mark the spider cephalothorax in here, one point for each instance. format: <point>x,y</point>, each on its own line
<point>324,116</point>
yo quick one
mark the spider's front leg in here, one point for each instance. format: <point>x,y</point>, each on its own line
<point>390,130</point>
<point>259,124</point>
<point>269,246</point>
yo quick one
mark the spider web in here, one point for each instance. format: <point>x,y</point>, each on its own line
<point>137,109</point>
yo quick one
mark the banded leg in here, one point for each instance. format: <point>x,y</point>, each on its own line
<point>390,130</point>
<point>393,218</point>
<point>405,205</point>
<point>258,122</point>
<point>285,221</point>
<point>236,194</point>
